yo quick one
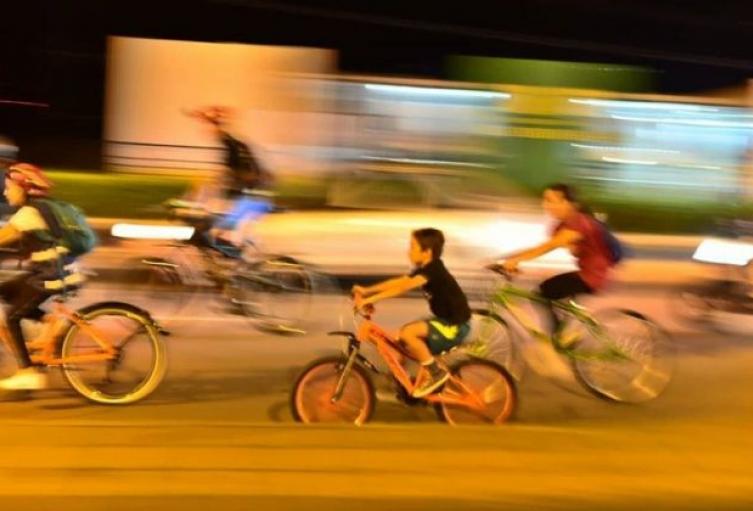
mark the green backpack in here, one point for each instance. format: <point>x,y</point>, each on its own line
<point>68,226</point>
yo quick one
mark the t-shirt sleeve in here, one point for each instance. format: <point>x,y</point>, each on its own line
<point>578,224</point>
<point>420,270</point>
<point>28,219</point>
<point>428,272</point>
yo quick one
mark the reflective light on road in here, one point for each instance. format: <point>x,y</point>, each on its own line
<point>152,232</point>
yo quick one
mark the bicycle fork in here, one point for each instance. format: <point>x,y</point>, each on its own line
<point>344,376</point>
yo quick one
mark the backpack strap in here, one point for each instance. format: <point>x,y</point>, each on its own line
<point>45,210</point>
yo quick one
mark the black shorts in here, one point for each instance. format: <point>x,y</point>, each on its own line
<point>565,285</point>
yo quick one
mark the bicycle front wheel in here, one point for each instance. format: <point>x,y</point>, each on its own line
<point>625,358</point>
<point>171,283</point>
<point>479,392</point>
<point>490,338</point>
<point>313,400</point>
<point>275,294</point>
<point>137,367</point>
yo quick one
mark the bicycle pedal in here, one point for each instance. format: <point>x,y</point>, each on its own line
<point>402,396</point>
<point>388,397</point>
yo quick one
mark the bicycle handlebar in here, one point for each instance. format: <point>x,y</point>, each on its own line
<point>500,270</point>
<point>366,311</point>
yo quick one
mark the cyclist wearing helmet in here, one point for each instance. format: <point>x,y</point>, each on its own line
<point>43,258</point>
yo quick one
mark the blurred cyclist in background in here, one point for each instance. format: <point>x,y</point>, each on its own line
<point>242,172</point>
<point>241,193</point>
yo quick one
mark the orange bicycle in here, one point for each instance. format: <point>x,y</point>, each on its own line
<point>109,352</point>
<point>340,388</point>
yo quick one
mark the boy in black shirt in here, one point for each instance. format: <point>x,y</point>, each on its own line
<point>450,324</point>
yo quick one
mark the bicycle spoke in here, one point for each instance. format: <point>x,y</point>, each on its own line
<point>485,393</point>
<point>627,359</point>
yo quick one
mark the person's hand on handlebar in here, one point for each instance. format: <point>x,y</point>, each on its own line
<point>361,305</point>
<point>510,265</point>
<point>506,268</point>
<point>358,298</point>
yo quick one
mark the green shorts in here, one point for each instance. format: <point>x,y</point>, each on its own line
<point>444,336</point>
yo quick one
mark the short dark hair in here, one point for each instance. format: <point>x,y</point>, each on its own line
<point>430,239</point>
<point>571,195</point>
<point>567,191</point>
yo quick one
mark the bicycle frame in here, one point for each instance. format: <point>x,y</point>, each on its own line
<point>389,350</point>
<point>507,296</point>
<point>208,263</point>
<point>47,343</point>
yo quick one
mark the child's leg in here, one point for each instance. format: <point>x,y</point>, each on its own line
<point>414,336</point>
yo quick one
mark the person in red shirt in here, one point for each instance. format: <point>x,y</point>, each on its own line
<point>578,231</point>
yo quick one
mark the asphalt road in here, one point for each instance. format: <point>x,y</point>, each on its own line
<point>218,432</point>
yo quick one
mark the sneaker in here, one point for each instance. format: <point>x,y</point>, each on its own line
<point>566,342</point>
<point>24,379</point>
<point>432,384</point>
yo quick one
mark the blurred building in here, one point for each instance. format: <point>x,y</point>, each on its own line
<point>515,125</point>
<point>151,83</point>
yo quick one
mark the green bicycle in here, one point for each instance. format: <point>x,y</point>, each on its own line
<point>616,354</point>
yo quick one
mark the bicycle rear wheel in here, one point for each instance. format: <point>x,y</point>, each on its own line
<point>275,294</point>
<point>485,382</point>
<point>311,399</point>
<point>722,306</point>
<point>627,358</point>
<point>139,363</point>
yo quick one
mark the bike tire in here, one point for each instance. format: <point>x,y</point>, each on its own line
<point>711,305</point>
<point>310,400</point>
<point>113,319</point>
<point>488,380</point>
<point>275,294</point>
<point>637,368</point>
<point>490,338</point>
<point>172,283</point>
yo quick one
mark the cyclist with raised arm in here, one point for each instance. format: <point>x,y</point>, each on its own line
<point>46,261</point>
<point>243,171</point>
<point>579,232</point>
<point>243,181</point>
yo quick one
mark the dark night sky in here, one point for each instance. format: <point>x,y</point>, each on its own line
<point>53,51</point>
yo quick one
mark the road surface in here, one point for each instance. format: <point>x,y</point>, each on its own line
<point>218,433</point>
